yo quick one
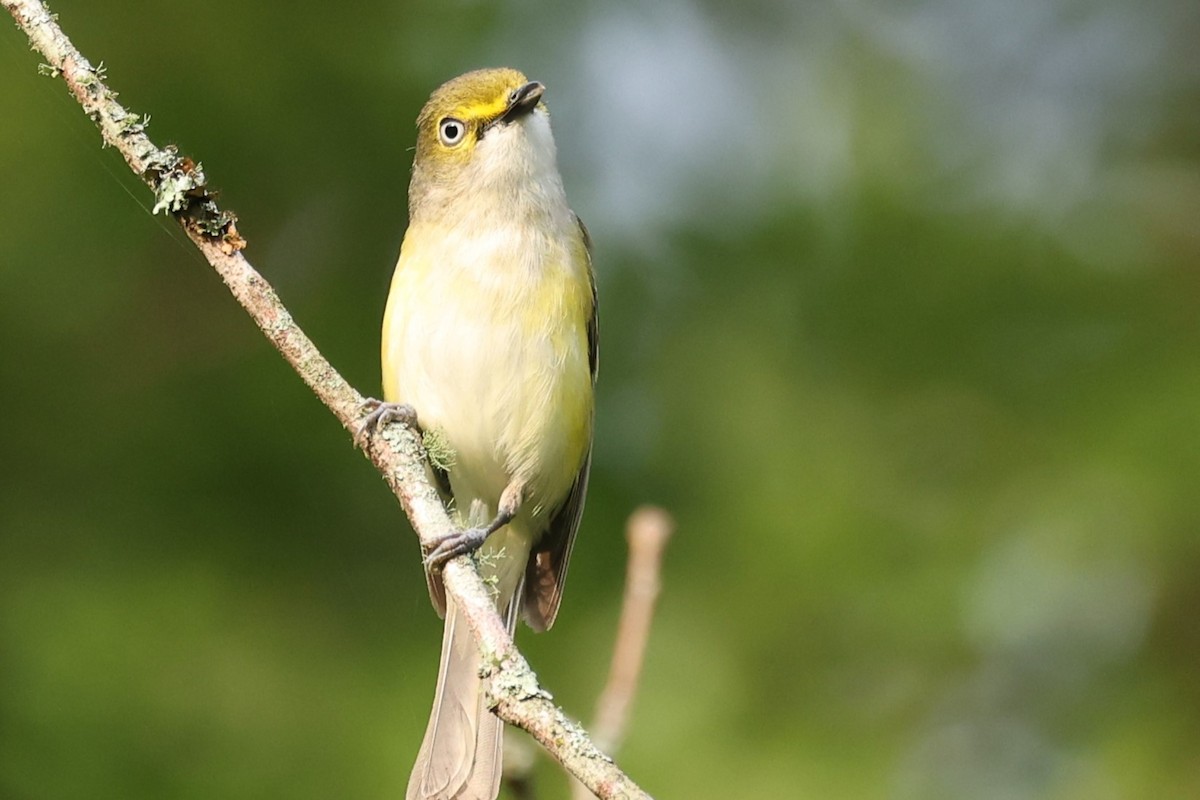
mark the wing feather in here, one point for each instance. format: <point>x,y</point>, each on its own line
<point>546,571</point>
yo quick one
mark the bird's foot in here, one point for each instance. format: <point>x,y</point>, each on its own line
<point>379,413</point>
<point>456,544</point>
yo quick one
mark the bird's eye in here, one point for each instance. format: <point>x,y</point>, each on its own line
<point>452,131</point>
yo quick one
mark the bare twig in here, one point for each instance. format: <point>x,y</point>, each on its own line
<point>647,532</point>
<point>180,189</point>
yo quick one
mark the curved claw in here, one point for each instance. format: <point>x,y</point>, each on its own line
<point>379,413</point>
<point>456,544</point>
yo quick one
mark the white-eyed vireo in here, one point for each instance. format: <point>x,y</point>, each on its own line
<point>490,336</point>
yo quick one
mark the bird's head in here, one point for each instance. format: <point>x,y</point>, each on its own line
<point>485,131</point>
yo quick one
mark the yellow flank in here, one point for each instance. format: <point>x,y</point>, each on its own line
<point>495,360</point>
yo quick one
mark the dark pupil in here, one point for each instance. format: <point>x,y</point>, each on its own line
<point>450,130</point>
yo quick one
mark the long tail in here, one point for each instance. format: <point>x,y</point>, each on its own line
<point>460,758</point>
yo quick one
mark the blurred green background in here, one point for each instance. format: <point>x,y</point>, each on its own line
<point>900,319</point>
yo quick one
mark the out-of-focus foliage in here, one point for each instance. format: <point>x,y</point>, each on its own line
<point>901,318</point>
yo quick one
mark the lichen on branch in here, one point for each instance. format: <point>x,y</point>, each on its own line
<point>181,190</point>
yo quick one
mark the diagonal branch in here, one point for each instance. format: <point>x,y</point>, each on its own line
<point>180,189</point>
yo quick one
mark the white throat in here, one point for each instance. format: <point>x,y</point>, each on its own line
<point>513,175</point>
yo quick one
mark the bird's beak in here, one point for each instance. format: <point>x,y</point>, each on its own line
<point>523,100</point>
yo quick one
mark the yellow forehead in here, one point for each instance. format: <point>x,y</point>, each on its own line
<point>482,110</point>
<point>481,94</point>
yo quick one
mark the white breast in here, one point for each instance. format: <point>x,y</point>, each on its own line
<point>481,341</point>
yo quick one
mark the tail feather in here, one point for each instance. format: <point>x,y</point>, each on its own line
<point>460,758</point>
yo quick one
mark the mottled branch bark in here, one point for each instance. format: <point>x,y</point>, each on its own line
<point>180,189</point>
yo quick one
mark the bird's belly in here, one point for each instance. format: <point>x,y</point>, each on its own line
<point>501,372</point>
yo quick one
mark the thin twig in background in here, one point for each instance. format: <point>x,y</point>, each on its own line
<point>647,532</point>
<point>180,189</point>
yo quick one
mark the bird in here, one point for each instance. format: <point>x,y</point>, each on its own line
<point>490,342</point>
